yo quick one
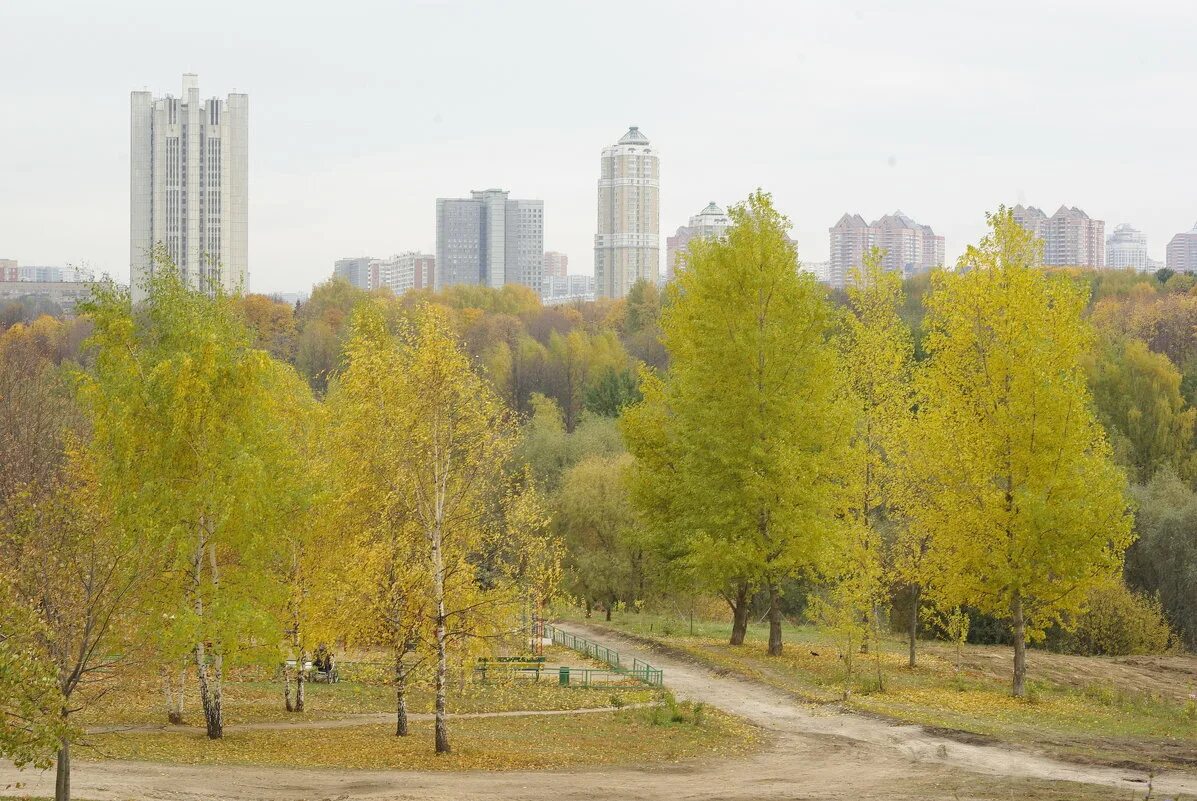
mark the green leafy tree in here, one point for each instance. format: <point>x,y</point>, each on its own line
<point>1163,562</point>
<point>186,441</point>
<point>603,563</point>
<point>612,391</point>
<point>1026,502</point>
<point>1138,398</point>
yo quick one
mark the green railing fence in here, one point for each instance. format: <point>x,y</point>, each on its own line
<point>636,669</point>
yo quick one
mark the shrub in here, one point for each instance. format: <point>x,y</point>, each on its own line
<point>1117,622</point>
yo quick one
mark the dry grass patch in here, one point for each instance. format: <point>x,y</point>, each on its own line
<point>138,701</point>
<point>529,742</point>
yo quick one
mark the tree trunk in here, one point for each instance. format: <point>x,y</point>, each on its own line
<point>62,773</point>
<point>211,696</point>
<point>287,689</point>
<point>1020,648</point>
<point>774,620</point>
<point>608,612</point>
<point>174,702</point>
<point>739,605</point>
<point>877,647</point>
<point>300,682</point>
<point>401,729</point>
<point>912,623</point>
<point>442,657</point>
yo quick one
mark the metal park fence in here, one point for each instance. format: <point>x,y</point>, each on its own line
<point>634,668</point>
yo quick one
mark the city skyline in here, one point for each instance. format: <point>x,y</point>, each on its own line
<point>330,176</point>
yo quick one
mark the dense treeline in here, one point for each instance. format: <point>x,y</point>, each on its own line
<point>1000,452</point>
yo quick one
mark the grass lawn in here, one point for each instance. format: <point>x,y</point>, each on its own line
<point>639,735</point>
<point>138,700</point>
<point>1121,711</point>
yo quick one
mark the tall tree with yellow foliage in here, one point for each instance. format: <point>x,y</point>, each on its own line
<point>420,443</point>
<point>371,581</point>
<point>453,451</point>
<point>877,353</point>
<point>1023,497</point>
<point>187,447</point>
<point>748,416</point>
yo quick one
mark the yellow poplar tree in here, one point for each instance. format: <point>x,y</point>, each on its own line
<point>1024,500</point>
<point>877,352</point>
<point>749,415</point>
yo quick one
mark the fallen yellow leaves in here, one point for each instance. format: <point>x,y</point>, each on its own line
<point>139,702</point>
<point>480,744</point>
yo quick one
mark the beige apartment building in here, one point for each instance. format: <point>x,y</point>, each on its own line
<point>1070,236</point>
<point>556,264</point>
<point>907,247</point>
<point>710,223</point>
<point>627,242</point>
<point>1182,252</point>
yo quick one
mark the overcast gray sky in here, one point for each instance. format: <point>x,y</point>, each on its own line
<point>361,114</point>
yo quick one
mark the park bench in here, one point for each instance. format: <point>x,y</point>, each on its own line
<point>319,676</point>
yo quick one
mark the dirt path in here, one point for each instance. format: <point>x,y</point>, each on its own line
<point>364,719</point>
<point>812,754</point>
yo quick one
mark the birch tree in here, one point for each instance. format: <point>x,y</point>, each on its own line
<point>184,440</point>
<point>371,579</point>
<point>457,442</point>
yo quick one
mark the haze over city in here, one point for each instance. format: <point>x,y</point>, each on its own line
<point>362,115</point>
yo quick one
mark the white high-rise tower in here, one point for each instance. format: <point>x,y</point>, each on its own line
<point>189,187</point>
<point>627,244</point>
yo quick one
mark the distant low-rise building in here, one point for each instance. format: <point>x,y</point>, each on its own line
<point>1126,249</point>
<point>555,264</point>
<point>11,271</point>
<point>404,272</point>
<point>63,294</point>
<point>355,270</point>
<point>1182,252</point>
<point>821,270</point>
<point>710,223</point>
<point>1070,236</point>
<point>907,247</point>
<point>558,289</point>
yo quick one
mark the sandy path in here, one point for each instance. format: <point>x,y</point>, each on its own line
<point>812,754</point>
